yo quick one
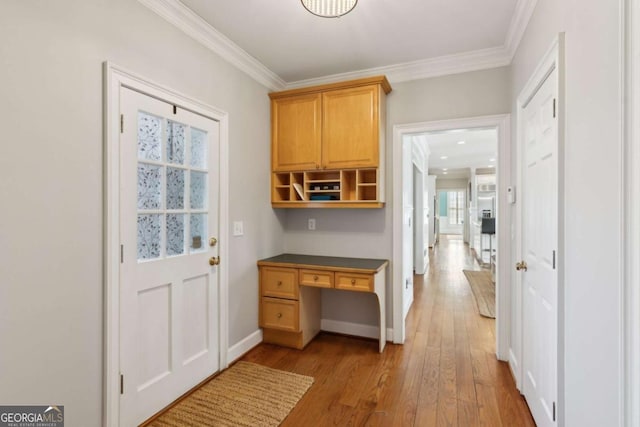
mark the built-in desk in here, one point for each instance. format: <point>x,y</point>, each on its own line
<point>290,285</point>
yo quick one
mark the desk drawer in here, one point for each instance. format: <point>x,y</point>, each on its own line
<point>280,314</point>
<point>354,282</point>
<point>318,278</point>
<point>279,282</point>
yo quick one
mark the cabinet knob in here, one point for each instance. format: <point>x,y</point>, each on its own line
<point>279,315</point>
<point>315,278</point>
<point>279,282</point>
<point>353,281</point>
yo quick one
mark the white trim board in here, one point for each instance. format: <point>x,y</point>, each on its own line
<point>631,219</point>
<point>239,349</point>
<point>114,78</point>
<point>503,232</point>
<point>354,329</point>
<point>193,25</point>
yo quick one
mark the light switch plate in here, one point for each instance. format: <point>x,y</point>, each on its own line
<point>238,228</point>
<point>312,223</point>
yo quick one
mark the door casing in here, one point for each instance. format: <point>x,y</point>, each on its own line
<point>501,123</point>
<point>115,77</point>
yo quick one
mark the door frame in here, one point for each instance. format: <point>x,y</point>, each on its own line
<point>115,77</point>
<point>631,216</point>
<point>502,124</point>
<point>552,60</point>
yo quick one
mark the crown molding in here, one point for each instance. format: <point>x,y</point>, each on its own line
<point>519,21</point>
<point>194,26</point>
<point>433,67</point>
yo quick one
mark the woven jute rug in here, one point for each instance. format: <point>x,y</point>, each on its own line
<point>244,395</point>
<point>484,290</point>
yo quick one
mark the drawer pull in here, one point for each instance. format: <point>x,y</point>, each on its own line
<point>279,282</point>
<point>353,281</point>
<point>279,315</point>
<point>315,278</point>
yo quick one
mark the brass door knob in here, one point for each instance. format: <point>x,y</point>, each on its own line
<point>213,241</point>
<point>214,260</point>
<point>521,266</point>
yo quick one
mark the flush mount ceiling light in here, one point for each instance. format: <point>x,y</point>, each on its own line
<point>329,8</point>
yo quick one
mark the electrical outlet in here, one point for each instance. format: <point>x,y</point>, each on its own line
<point>312,223</point>
<point>238,228</point>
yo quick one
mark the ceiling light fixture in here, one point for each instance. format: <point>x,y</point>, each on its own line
<point>329,8</point>
<point>492,160</point>
<point>445,169</point>
<point>461,142</point>
<point>444,158</point>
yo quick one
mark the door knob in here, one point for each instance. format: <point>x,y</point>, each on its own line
<point>214,260</point>
<point>521,266</point>
<point>213,241</point>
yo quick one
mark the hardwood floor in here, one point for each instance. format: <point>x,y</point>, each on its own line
<point>446,373</point>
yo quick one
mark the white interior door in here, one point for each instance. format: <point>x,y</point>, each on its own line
<point>539,246</point>
<point>169,170</point>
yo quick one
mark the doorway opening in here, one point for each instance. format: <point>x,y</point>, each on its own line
<point>458,181</point>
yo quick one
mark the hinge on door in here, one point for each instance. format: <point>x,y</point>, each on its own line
<point>121,254</point>
<point>121,123</point>
<point>554,411</point>
<point>121,384</point>
<point>175,110</point>
<point>554,260</point>
<point>554,108</point>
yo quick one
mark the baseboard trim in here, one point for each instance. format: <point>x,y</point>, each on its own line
<point>239,349</point>
<point>355,329</point>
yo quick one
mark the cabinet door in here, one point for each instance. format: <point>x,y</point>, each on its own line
<point>350,130</point>
<point>295,132</point>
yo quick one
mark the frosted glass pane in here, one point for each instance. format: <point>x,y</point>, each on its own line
<point>175,142</point>
<point>198,226</point>
<point>149,186</point>
<point>175,188</point>
<point>175,234</point>
<point>149,137</point>
<point>198,190</point>
<point>198,148</point>
<point>149,227</point>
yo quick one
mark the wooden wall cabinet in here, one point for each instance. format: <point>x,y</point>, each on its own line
<point>329,142</point>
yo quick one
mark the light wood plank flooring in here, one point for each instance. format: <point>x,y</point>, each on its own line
<point>446,373</point>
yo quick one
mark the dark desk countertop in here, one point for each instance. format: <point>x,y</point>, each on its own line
<point>366,265</point>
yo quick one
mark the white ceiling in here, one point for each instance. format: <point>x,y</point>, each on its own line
<point>299,47</point>
<point>479,148</point>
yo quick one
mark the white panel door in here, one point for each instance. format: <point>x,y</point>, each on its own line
<point>169,171</point>
<point>540,244</point>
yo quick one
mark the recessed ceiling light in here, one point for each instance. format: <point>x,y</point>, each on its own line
<point>461,142</point>
<point>445,169</point>
<point>492,160</point>
<point>444,173</point>
<point>491,166</point>
<point>444,157</point>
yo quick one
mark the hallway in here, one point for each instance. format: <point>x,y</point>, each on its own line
<point>445,374</point>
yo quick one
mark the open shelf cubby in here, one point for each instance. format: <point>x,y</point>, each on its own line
<point>342,188</point>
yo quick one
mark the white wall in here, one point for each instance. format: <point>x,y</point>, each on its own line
<point>368,233</point>
<point>51,156</point>
<point>590,305</point>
